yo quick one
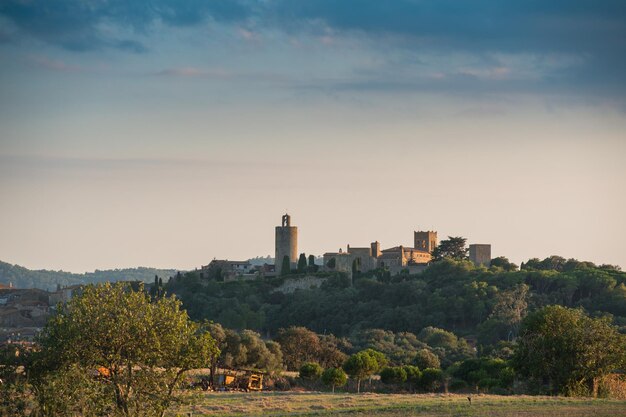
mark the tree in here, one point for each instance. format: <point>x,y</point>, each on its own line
<point>431,379</point>
<point>426,359</point>
<point>312,260</point>
<point>332,262</point>
<point>141,348</point>
<point>299,345</point>
<point>301,263</point>
<point>334,377</point>
<point>504,263</point>
<point>413,376</point>
<point>285,268</point>
<point>568,349</point>
<point>311,371</point>
<point>393,375</point>
<point>453,247</point>
<point>362,365</point>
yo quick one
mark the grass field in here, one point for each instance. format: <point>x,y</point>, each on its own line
<point>391,405</point>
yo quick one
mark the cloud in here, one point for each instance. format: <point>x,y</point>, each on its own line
<point>590,33</point>
<point>192,72</point>
<point>52,64</point>
<point>77,25</point>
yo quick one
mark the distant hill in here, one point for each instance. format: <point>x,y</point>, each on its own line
<point>22,277</point>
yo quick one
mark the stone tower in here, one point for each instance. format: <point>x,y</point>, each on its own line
<point>480,254</point>
<point>286,243</point>
<point>375,249</point>
<point>426,241</point>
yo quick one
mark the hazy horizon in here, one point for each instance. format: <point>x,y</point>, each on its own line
<point>165,134</point>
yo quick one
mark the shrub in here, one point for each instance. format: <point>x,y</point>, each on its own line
<point>311,371</point>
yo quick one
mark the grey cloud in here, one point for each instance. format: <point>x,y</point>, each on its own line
<point>594,30</point>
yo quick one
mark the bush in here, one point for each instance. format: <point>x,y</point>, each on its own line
<point>426,359</point>
<point>393,375</point>
<point>311,371</point>
<point>431,379</point>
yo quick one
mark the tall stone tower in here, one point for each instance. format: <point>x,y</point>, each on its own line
<point>426,241</point>
<point>480,254</point>
<point>286,243</point>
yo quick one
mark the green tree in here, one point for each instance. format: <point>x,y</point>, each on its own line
<point>453,247</point>
<point>311,371</point>
<point>334,377</point>
<point>393,375</point>
<point>431,379</point>
<point>568,349</point>
<point>504,263</point>
<point>426,359</point>
<point>312,260</point>
<point>301,263</point>
<point>286,266</point>
<point>361,365</point>
<point>299,345</point>
<point>144,348</point>
<point>14,388</point>
<point>413,376</point>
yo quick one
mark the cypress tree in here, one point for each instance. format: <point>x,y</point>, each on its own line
<point>302,263</point>
<point>286,266</point>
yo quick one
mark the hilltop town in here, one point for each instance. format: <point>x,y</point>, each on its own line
<point>396,259</point>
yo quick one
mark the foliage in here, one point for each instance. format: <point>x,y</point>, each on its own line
<point>310,370</point>
<point>568,349</point>
<point>431,379</point>
<point>299,345</point>
<point>247,350</point>
<point>364,364</point>
<point>485,373</point>
<point>143,348</point>
<point>504,263</point>
<point>454,296</point>
<point>285,268</point>
<point>14,387</point>
<point>426,359</point>
<point>413,375</point>
<point>399,347</point>
<point>334,377</point>
<point>393,375</point>
<point>22,277</point>
<point>302,263</point>
<point>453,248</point>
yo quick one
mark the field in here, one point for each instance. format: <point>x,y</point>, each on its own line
<point>391,405</point>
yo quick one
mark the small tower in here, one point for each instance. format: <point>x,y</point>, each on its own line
<point>480,254</point>
<point>425,241</point>
<point>286,243</point>
<point>375,251</point>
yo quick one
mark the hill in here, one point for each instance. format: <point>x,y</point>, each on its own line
<point>22,277</point>
<point>483,304</point>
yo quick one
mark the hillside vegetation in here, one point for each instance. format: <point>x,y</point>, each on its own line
<point>22,277</point>
<point>487,304</point>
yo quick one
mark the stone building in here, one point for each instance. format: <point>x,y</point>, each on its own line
<point>395,259</point>
<point>225,269</point>
<point>480,254</point>
<point>286,243</point>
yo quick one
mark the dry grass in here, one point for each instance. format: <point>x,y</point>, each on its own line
<point>391,405</point>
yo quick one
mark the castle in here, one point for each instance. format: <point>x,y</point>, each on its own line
<point>396,259</point>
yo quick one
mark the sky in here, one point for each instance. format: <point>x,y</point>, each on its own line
<point>166,133</point>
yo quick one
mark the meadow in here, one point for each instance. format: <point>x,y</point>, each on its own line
<point>390,405</point>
